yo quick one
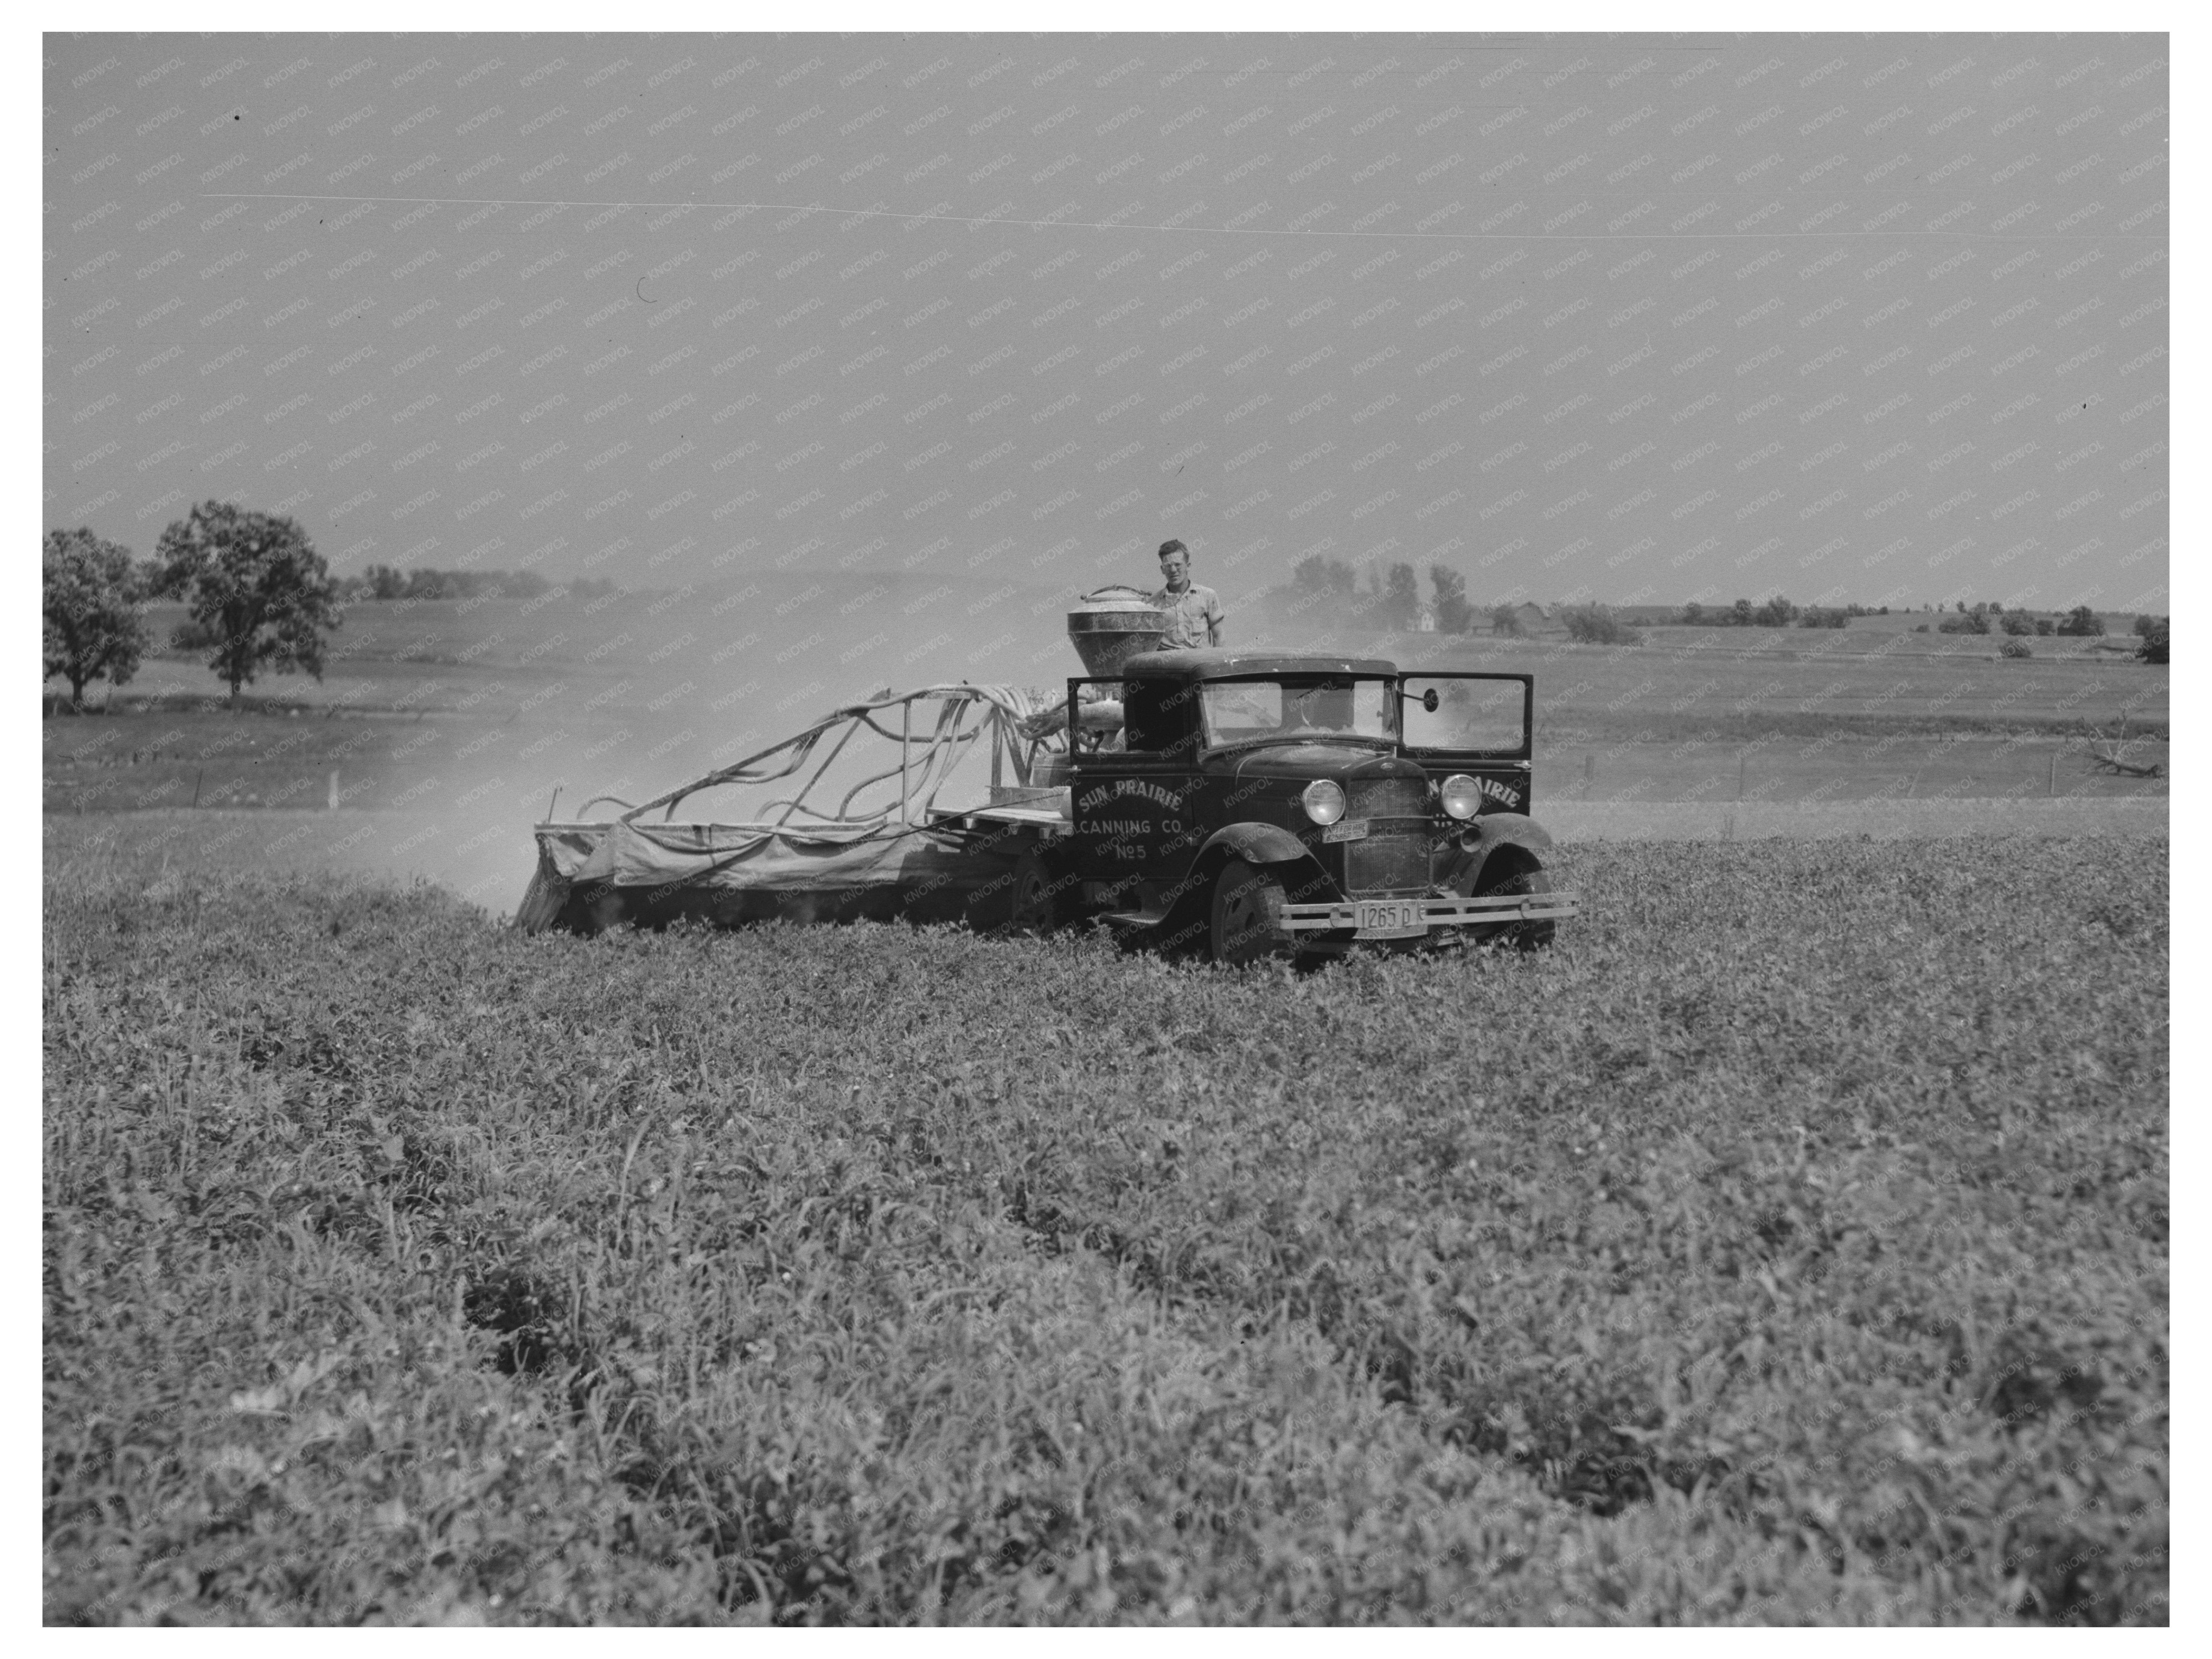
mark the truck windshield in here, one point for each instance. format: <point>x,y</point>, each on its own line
<point>1249,711</point>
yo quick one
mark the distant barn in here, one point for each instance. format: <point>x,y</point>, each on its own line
<point>1530,618</point>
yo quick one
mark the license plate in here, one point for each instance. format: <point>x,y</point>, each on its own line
<point>1347,830</point>
<point>1389,918</point>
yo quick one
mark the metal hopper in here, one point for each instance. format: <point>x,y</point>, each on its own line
<point>1112,625</point>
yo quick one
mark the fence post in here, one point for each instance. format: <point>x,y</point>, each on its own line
<point>1742,761</point>
<point>334,789</point>
<point>2054,773</point>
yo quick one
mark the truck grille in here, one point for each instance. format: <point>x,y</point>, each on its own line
<point>1388,798</point>
<point>1387,864</point>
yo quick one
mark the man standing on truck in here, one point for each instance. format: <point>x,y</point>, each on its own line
<point>1193,613</point>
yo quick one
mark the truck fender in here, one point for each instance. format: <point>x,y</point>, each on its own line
<point>1506,843</point>
<point>1258,844</point>
<point>1255,843</point>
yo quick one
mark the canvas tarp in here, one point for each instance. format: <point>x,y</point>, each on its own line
<point>730,874</point>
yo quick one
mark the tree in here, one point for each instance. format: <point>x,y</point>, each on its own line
<point>385,582</point>
<point>1453,614</point>
<point>1506,619</point>
<point>2082,623</point>
<point>1596,624</point>
<point>1694,613</point>
<point>94,627</point>
<point>2154,646</point>
<point>1401,596</point>
<point>1777,612</point>
<point>2144,624</point>
<point>1740,613</point>
<point>1315,574</point>
<point>2016,622</point>
<point>255,584</point>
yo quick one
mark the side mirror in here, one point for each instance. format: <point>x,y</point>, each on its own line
<point>1430,699</point>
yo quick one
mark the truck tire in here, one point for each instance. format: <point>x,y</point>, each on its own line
<point>1524,935</point>
<point>1246,916</point>
<point>1036,909</point>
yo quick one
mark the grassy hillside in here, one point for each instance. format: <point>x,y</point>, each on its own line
<point>1790,1244</point>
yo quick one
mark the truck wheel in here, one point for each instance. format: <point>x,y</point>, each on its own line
<point>1247,915</point>
<point>1524,935</point>
<point>1036,907</point>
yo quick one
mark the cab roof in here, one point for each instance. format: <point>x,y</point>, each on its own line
<point>1221,662</point>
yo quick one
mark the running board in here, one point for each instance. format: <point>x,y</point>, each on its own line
<point>1133,918</point>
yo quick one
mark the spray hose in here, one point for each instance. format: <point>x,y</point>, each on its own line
<point>1015,723</point>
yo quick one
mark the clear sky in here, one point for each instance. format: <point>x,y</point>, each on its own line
<point>1630,318</point>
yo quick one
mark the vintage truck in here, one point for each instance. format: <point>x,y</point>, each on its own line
<point>1248,804</point>
<point>1273,803</point>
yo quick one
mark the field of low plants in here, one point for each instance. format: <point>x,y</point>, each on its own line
<point>1790,1244</point>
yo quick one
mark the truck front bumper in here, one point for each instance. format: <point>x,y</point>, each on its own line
<point>1356,916</point>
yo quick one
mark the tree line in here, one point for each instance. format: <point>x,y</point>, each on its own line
<point>1391,598</point>
<point>1777,612</point>
<point>258,597</point>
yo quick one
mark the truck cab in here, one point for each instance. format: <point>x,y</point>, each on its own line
<point>1276,804</point>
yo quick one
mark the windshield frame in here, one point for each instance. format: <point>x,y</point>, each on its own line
<point>1389,738</point>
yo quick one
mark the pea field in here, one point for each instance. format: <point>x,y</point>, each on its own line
<point>1787,1245</point>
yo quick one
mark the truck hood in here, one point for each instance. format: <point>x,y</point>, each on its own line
<point>1302,763</point>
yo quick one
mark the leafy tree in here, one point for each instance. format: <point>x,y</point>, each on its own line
<point>255,584</point>
<point>1968,622</point>
<point>1316,574</point>
<point>1401,596</point>
<point>2082,623</point>
<point>1824,616</point>
<point>1740,613</point>
<point>1506,619</point>
<point>2046,625</point>
<point>1453,614</point>
<point>385,582</point>
<point>2144,624</point>
<point>94,627</point>
<point>2016,647</point>
<point>1596,624</point>
<point>1694,613</point>
<point>2016,622</point>
<point>2153,648</point>
<point>1777,612</point>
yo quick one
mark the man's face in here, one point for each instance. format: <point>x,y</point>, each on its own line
<point>1176,567</point>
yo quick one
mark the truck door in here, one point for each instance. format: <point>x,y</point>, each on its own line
<point>1133,807</point>
<point>1480,725</point>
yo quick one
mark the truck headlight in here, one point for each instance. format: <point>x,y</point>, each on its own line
<point>1323,801</point>
<point>1462,795</point>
